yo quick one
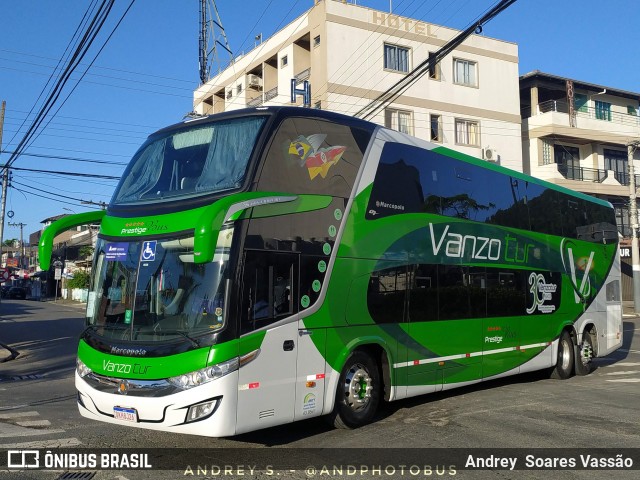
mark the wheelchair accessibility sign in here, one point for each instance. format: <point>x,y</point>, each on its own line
<point>148,253</point>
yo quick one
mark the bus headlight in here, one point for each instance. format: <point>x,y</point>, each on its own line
<point>81,368</point>
<point>205,375</point>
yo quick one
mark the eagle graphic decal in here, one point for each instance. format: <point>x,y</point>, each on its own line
<point>317,160</point>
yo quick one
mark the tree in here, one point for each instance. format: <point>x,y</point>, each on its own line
<point>80,280</point>
<point>85,251</point>
<point>10,242</point>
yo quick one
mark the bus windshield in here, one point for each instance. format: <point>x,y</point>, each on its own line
<point>152,291</point>
<point>195,160</point>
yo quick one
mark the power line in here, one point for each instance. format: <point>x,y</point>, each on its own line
<point>71,174</point>
<point>81,50</point>
<point>92,61</point>
<point>402,85</point>
<point>72,159</point>
<point>50,193</point>
<point>80,201</point>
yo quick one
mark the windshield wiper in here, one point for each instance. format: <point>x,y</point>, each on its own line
<point>193,341</point>
<point>107,327</point>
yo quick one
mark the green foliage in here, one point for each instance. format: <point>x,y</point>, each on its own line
<point>85,251</point>
<point>80,280</point>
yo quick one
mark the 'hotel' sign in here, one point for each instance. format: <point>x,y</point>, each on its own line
<point>400,23</point>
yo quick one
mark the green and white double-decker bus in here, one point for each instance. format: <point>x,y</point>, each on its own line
<point>269,265</point>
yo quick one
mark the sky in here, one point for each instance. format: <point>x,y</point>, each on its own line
<point>144,77</point>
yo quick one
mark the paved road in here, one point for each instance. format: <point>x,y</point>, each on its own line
<point>37,410</point>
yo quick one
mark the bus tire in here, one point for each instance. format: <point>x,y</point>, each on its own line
<point>565,361</point>
<point>359,391</point>
<point>584,355</point>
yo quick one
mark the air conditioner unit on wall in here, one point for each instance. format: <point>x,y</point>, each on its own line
<point>490,155</point>
<point>254,82</point>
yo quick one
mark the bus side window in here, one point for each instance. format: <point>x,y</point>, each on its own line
<point>267,288</point>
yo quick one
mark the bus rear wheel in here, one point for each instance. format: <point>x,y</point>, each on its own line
<point>565,361</point>
<point>359,391</point>
<point>584,355</point>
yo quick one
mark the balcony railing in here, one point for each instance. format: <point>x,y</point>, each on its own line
<point>582,174</point>
<point>561,106</point>
<point>303,75</point>
<point>255,102</point>
<point>270,94</point>
<point>623,178</point>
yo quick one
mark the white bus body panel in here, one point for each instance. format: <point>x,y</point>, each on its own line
<point>167,413</point>
<point>605,314</point>
<point>266,386</point>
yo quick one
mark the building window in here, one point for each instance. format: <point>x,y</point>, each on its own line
<point>229,94</point>
<point>546,152</point>
<point>316,41</point>
<point>580,102</point>
<point>568,160</point>
<point>467,133</point>
<point>284,61</point>
<point>396,58</point>
<point>239,89</point>
<point>399,120</point>
<point>622,219</point>
<point>631,110</point>
<point>436,128</point>
<point>434,67</point>
<point>603,111</point>
<point>617,161</point>
<point>464,72</point>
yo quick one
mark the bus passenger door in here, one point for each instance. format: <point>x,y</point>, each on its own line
<point>266,385</point>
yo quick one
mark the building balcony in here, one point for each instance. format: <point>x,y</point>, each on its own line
<point>270,94</point>
<point>590,124</point>
<point>583,174</point>
<point>255,102</point>
<point>561,106</point>
<point>303,75</point>
<point>592,181</point>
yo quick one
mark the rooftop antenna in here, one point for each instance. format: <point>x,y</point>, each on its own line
<point>212,35</point>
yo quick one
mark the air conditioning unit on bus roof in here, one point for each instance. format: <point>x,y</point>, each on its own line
<point>254,82</point>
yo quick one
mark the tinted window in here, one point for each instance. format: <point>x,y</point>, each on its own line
<point>309,235</point>
<point>194,160</point>
<point>268,288</point>
<point>313,156</point>
<point>386,294</point>
<point>447,292</point>
<point>413,180</point>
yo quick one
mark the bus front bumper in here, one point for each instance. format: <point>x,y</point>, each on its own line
<point>168,413</point>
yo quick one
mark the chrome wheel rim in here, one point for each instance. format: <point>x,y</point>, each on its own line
<point>565,355</point>
<point>358,386</point>
<point>586,353</point>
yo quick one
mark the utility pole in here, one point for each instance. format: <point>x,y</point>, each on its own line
<point>5,181</point>
<point>21,225</point>
<point>633,214</point>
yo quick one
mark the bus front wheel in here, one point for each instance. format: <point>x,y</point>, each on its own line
<point>565,361</point>
<point>584,355</point>
<point>359,391</point>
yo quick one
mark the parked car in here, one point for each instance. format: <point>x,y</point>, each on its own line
<point>17,292</point>
<point>5,290</point>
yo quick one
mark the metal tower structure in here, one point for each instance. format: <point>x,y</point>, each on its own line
<point>210,39</point>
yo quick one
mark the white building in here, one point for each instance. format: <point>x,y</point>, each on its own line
<point>350,54</point>
<point>575,134</point>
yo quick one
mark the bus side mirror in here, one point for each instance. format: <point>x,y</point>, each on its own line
<point>45,246</point>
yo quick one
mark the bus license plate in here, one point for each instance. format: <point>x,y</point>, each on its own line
<point>127,414</point>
